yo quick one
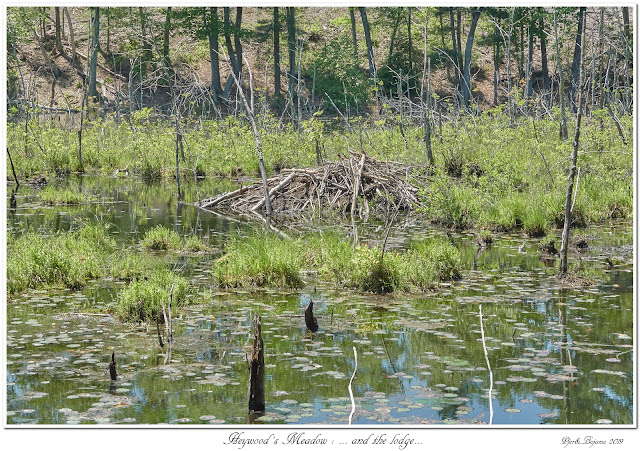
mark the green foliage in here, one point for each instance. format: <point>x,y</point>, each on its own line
<point>21,20</point>
<point>142,299</point>
<point>64,259</point>
<point>337,74</point>
<point>161,239</point>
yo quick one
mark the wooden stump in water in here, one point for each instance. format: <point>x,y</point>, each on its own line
<point>309,319</point>
<point>112,367</point>
<point>256,370</point>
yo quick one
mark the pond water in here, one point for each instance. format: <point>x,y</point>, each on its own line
<point>557,355</point>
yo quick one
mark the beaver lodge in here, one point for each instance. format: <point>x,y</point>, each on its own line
<point>353,185</point>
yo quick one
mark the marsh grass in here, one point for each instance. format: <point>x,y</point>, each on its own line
<point>63,259</point>
<point>142,299</point>
<point>194,244</point>
<point>61,196</point>
<point>490,171</point>
<point>128,266</point>
<point>267,260</point>
<point>260,260</point>
<point>161,238</point>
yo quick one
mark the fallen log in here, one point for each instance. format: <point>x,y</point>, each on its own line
<point>212,203</point>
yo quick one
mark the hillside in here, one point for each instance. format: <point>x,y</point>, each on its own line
<point>323,37</point>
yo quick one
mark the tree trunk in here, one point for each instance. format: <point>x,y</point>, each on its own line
<point>59,47</point>
<point>354,39</point>
<point>572,172</point>
<point>178,143</point>
<point>392,41</point>
<point>94,53</point>
<point>529,69</point>
<point>256,134</point>
<point>291,41</point>
<point>625,21</point>
<point>410,38</point>
<point>509,98</point>
<point>521,68</point>
<point>458,69</point>
<point>459,37</point>
<point>146,51</point>
<point>108,31</point>
<point>367,38</point>
<point>256,393</point>
<point>216,87</point>
<point>546,82</point>
<point>426,103</point>
<point>466,85</point>
<point>444,45</point>
<point>564,134</point>
<point>231,53</point>
<point>496,63</point>
<point>72,39</point>
<point>236,39</point>
<point>575,67</point>
<point>277,87</point>
<point>165,40</point>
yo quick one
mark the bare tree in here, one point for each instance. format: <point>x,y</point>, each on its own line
<point>572,171</point>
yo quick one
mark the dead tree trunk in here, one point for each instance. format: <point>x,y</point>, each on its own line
<point>256,370</point>
<point>309,319</point>
<point>178,144</point>
<point>256,134</point>
<point>572,172</point>
<point>563,115</point>
<point>13,169</point>
<point>112,367</point>
<point>577,57</point>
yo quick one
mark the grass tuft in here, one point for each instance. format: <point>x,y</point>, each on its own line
<point>63,259</point>
<point>161,239</point>
<point>142,299</point>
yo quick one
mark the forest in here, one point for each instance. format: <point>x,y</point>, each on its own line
<point>320,215</point>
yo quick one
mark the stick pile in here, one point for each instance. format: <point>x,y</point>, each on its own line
<point>335,185</point>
